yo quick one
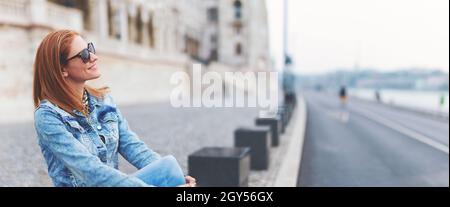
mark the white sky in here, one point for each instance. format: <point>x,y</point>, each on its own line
<point>383,34</point>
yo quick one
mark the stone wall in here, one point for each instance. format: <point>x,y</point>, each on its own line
<point>133,78</point>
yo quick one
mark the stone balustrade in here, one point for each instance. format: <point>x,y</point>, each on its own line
<point>39,13</point>
<point>14,12</point>
<point>63,17</point>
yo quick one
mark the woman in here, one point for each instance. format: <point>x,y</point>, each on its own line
<point>81,130</point>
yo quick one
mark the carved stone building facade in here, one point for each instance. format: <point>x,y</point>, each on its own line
<point>141,40</point>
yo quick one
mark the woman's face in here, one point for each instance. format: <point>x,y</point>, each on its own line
<point>76,70</point>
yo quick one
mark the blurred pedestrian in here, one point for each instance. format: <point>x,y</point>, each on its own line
<point>441,102</point>
<point>377,96</point>
<point>344,115</point>
<point>343,95</point>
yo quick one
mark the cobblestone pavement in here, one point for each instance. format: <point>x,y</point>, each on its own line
<point>167,130</point>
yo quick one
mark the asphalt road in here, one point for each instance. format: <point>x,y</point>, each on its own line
<point>369,144</point>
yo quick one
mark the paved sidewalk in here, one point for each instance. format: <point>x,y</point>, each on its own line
<point>285,159</point>
<point>167,130</point>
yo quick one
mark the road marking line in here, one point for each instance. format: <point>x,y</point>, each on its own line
<point>408,132</point>
<point>341,116</point>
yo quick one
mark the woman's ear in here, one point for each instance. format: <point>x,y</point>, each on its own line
<point>65,73</point>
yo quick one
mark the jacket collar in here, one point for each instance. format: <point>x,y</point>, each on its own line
<point>93,102</point>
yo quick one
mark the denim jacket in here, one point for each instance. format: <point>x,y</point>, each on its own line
<point>82,152</point>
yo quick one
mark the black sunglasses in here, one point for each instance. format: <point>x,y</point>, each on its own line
<point>85,54</point>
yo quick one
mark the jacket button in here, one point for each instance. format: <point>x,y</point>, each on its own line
<point>99,127</point>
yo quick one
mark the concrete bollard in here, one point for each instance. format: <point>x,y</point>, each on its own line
<point>290,100</point>
<point>290,110</point>
<point>283,118</point>
<point>290,107</point>
<point>258,139</point>
<point>275,127</point>
<point>220,167</point>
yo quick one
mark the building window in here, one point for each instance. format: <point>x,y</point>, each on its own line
<point>237,9</point>
<point>238,49</point>
<point>135,27</point>
<point>151,32</point>
<point>139,26</point>
<point>213,15</point>
<point>192,47</point>
<point>237,27</point>
<point>110,19</point>
<point>213,39</point>
<point>130,28</point>
<point>113,22</point>
<point>66,3</point>
<point>214,55</point>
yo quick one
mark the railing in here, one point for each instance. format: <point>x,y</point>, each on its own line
<point>15,12</point>
<point>23,13</point>
<point>63,17</point>
<point>44,13</point>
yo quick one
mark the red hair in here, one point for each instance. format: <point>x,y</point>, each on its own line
<point>48,81</point>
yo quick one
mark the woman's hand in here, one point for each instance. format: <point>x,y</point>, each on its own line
<point>190,182</point>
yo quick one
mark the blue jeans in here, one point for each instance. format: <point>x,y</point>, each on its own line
<point>165,172</point>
